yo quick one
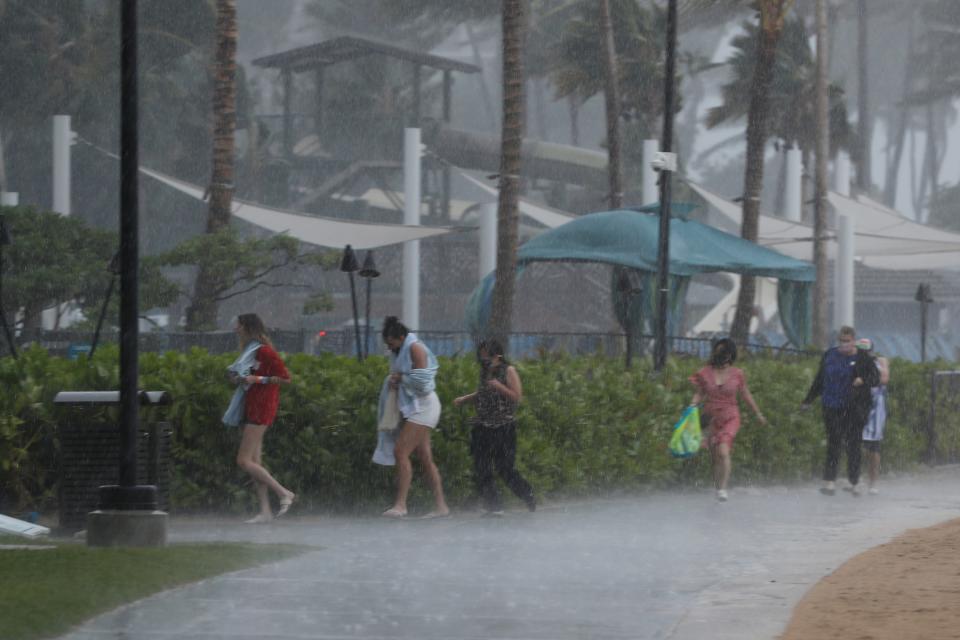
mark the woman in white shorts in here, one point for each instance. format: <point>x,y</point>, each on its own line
<point>413,370</point>
<point>873,429</point>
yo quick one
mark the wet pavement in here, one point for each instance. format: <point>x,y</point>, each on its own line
<point>676,566</point>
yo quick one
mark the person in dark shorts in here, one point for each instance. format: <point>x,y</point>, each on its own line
<point>493,440</point>
<point>843,382</point>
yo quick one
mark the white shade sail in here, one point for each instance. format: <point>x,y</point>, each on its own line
<point>323,232</point>
<point>884,239</point>
<point>546,216</point>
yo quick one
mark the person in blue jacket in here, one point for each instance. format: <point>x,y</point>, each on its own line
<point>844,382</point>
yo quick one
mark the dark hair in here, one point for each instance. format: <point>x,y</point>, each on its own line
<point>253,326</point>
<point>393,328</point>
<point>493,347</point>
<point>847,331</point>
<point>724,352</point>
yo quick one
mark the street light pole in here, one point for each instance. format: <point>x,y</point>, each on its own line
<point>924,297</point>
<point>5,240</point>
<point>349,265</point>
<point>666,169</point>
<point>114,269</point>
<point>368,272</point>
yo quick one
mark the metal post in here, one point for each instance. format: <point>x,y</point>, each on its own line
<point>924,297</point>
<point>366,323</point>
<point>411,216</point>
<point>356,317</point>
<point>129,238</point>
<point>663,248</point>
<point>103,313</point>
<point>5,240</point>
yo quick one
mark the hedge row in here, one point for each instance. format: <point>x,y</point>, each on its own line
<point>586,426</point>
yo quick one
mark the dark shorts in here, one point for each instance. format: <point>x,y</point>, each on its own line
<point>873,446</point>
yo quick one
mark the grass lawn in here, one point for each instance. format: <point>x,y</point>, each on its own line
<point>44,593</point>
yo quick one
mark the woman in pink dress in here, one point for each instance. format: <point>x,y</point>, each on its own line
<point>718,386</point>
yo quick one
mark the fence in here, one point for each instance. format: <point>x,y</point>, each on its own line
<point>445,343</point>
<point>944,409</point>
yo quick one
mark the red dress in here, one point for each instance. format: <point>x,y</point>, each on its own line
<point>262,400</point>
<point>720,402</point>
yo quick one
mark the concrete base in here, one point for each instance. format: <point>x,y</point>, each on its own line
<point>110,528</point>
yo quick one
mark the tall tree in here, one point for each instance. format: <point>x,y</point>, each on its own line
<point>771,16</point>
<point>514,16</point>
<point>864,122</point>
<point>202,312</point>
<point>820,199</point>
<point>612,99</point>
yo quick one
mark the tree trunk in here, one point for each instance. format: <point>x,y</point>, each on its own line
<point>202,312</point>
<point>893,167</point>
<point>864,121</point>
<point>612,97</point>
<point>820,198</point>
<point>514,27</point>
<point>574,120</point>
<point>772,14</point>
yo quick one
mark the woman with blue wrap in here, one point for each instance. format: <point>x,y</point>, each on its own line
<point>413,370</point>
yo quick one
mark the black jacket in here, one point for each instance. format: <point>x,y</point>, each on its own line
<point>860,399</point>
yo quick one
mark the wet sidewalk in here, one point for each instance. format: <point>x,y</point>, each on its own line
<point>660,565</point>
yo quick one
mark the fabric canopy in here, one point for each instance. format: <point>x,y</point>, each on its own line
<point>546,216</point>
<point>628,239</point>
<point>323,232</point>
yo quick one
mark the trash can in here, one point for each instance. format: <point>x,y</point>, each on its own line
<point>90,452</point>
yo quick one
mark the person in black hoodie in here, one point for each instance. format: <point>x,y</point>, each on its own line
<point>843,382</point>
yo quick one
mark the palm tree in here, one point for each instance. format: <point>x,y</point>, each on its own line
<point>612,95</point>
<point>514,116</point>
<point>772,14</point>
<point>202,312</point>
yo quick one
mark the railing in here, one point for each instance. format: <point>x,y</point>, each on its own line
<point>445,343</point>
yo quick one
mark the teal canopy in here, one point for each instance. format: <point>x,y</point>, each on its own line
<point>629,238</point>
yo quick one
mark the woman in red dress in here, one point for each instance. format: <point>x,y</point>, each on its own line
<point>261,402</point>
<point>718,386</point>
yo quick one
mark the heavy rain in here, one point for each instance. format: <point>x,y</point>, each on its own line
<point>479,319</point>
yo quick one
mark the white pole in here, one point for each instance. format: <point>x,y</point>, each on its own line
<point>9,198</point>
<point>651,192</point>
<point>488,239</point>
<point>844,291</point>
<point>793,198</point>
<point>61,164</point>
<point>841,174</point>
<point>411,216</point>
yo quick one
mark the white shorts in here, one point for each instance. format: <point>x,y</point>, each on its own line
<point>429,413</point>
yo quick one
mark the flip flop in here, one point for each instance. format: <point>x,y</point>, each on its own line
<point>395,513</point>
<point>285,504</point>
<point>259,519</point>
<point>433,515</point>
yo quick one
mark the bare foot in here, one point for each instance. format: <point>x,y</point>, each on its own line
<point>394,512</point>
<point>285,503</point>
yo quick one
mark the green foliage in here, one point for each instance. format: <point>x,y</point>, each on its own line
<point>586,426</point>
<point>792,116</point>
<point>56,259</point>
<point>45,593</point>
<point>242,264</point>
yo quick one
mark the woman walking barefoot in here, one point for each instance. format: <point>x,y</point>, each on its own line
<point>413,369</point>
<point>718,386</point>
<point>259,371</point>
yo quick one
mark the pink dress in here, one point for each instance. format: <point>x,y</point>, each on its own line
<point>720,402</point>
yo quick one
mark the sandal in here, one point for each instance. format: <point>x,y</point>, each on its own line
<point>285,504</point>
<point>433,515</point>
<point>393,512</point>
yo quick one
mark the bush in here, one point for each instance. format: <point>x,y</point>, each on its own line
<point>586,426</point>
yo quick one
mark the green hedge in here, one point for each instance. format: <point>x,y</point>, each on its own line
<point>586,426</point>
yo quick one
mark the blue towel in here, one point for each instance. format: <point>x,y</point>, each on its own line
<point>241,367</point>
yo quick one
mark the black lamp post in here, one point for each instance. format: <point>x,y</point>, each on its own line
<point>663,248</point>
<point>5,240</point>
<point>114,269</point>
<point>349,264</point>
<point>924,297</point>
<point>369,272</point>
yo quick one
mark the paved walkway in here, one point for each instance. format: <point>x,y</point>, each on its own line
<point>671,566</point>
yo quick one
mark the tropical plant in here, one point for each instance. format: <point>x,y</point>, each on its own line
<point>771,16</point>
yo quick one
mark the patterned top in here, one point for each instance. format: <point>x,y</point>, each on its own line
<point>493,408</point>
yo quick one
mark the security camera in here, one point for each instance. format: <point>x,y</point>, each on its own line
<point>664,161</point>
